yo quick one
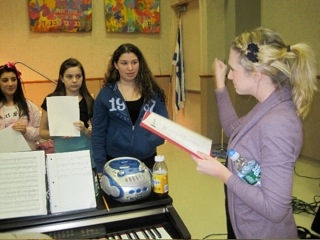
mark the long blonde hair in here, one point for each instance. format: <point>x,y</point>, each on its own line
<point>264,50</point>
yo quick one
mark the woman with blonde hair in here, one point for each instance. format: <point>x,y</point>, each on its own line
<point>282,78</point>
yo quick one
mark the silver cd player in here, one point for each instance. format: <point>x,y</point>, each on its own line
<point>126,179</point>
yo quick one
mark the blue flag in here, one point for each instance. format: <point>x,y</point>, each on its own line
<point>179,70</point>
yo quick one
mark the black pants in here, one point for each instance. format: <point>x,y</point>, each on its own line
<point>230,231</point>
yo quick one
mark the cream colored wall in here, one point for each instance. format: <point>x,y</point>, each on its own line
<point>212,32</point>
<point>296,20</point>
<point>46,51</point>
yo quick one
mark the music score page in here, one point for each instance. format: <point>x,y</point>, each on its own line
<point>188,140</point>
<point>22,184</point>
<point>70,181</point>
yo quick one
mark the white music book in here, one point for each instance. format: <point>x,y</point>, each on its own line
<point>188,140</point>
<point>70,181</point>
<point>22,184</point>
<point>23,188</point>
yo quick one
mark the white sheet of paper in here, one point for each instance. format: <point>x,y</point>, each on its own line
<point>12,141</point>
<point>70,181</point>
<point>63,111</point>
<point>22,184</point>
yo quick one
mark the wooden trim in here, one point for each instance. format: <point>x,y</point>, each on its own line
<point>36,82</point>
<point>205,76</point>
<point>163,76</point>
<point>193,91</point>
<point>210,76</point>
<point>47,81</point>
<point>87,79</point>
<point>156,76</point>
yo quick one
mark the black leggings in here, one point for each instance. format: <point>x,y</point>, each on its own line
<point>230,231</point>
<point>231,234</point>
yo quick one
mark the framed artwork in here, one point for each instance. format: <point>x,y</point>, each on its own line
<point>132,16</point>
<point>60,15</point>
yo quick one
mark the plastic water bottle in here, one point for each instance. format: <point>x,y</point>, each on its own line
<point>248,170</point>
<point>160,176</point>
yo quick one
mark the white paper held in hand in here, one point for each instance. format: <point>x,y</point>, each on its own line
<point>63,111</point>
<point>188,140</point>
<point>12,141</point>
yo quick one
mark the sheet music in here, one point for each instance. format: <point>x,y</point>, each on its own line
<point>63,111</point>
<point>177,134</point>
<point>70,181</point>
<point>22,184</point>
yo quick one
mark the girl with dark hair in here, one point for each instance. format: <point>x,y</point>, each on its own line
<point>130,91</point>
<point>15,109</point>
<point>71,82</point>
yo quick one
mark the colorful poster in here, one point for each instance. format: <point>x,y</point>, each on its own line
<point>132,16</point>
<point>60,15</point>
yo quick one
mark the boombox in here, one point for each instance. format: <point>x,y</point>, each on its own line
<point>126,179</point>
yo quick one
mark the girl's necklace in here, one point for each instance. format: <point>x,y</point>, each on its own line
<point>125,98</point>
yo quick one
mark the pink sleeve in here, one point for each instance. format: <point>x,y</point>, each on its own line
<point>33,125</point>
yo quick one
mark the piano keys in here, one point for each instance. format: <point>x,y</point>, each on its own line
<point>151,218</point>
<point>142,233</point>
<point>150,232</point>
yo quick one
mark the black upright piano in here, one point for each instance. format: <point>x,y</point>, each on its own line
<point>151,218</point>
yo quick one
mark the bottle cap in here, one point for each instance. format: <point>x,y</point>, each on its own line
<point>233,155</point>
<point>159,158</point>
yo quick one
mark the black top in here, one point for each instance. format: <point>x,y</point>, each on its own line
<point>134,109</point>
